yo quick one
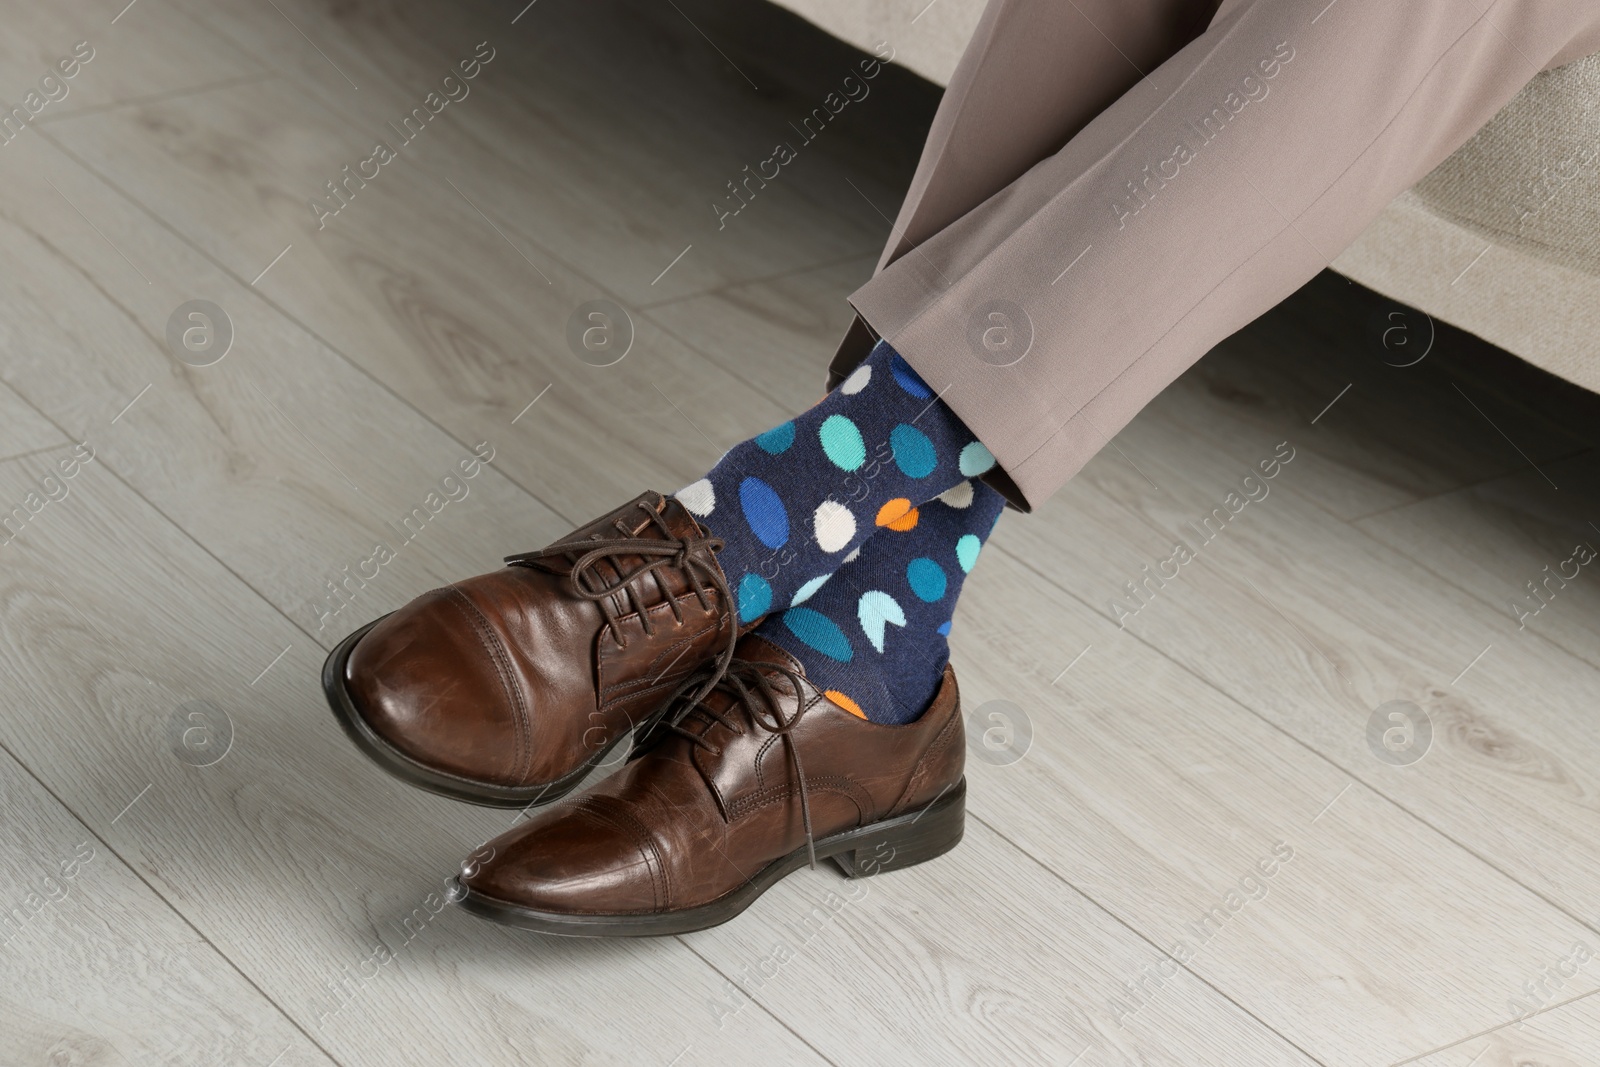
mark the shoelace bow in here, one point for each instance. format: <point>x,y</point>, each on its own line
<point>750,684</point>
<point>692,556</point>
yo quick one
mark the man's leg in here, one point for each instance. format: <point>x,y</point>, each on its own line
<point>1050,314</point>
<point>1034,73</point>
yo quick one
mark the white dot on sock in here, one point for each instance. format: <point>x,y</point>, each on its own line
<point>699,497</point>
<point>957,496</point>
<point>834,525</point>
<point>857,381</point>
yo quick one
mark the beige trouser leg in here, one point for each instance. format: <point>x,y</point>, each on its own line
<point>1049,292</point>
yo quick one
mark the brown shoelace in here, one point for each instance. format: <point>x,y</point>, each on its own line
<point>683,554</point>
<point>750,684</point>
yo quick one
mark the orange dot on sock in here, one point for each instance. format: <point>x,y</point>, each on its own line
<point>845,702</point>
<point>897,514</point>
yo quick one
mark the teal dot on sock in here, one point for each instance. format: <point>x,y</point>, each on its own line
<point>967,551</point>
<point>818,632</point>
<point>913,452</point>
<point>777,440</point>
<point>754,596</point>
<point>975,459</point>
<point>841,442</point>
<point>944,628</point>
<point>926,579</point>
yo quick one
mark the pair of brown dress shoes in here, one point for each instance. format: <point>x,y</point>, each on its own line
<point>509,688</point>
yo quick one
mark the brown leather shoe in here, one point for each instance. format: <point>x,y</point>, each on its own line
<point>729,795</point>
<point>506,689</point>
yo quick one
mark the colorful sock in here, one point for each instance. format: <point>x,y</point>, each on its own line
<point>874,637</point>
<point>793,502</point>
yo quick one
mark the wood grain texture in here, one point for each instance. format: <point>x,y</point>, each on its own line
<point>618,207</point>
<point>1494,538</point>
<point>284,429</point>
<point>781,325</point>
<point>1157,795</point>
<point>1321,630</point>
<point>1565,1036</point>
<point>471,336</point>
<point>22,429</point>
<point>293,855</point>
<point>99,970</point>
<point>986,957</point>
<point>127,52</point>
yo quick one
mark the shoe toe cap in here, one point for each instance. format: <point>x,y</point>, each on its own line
<point>568,861</point>
<point>425,680</point>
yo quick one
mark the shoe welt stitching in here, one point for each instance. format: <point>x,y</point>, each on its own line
<point>619,817</point>
<point>848,787</point>
<point>496,650</point>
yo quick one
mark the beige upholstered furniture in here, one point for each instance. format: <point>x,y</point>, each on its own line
<point>1502,239</point>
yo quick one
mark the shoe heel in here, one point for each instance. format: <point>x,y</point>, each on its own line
<point>909,839</point>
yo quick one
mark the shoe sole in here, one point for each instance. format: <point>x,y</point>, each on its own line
<point>408,770</point>
<point>892,844</point>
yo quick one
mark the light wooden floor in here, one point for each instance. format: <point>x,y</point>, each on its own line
<point>229,913</point>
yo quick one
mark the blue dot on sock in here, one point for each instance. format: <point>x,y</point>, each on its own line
<point>819,632</point>
<point>926,579</point>
<point>975,459</point>
<point>777,440</point>
<point>841,441</point>
<point>967,551</point>
<point>764,512</point>
<point>754,596</point>
<point>944,628</point>
<point>908,379</point>
<point>913,452</point>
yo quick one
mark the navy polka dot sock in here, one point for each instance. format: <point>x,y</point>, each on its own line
<point>874,637</point>
<point>791,504</point>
